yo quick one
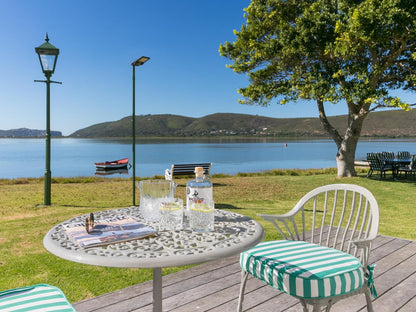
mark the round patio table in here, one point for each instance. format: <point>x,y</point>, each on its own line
<point>233,233</point>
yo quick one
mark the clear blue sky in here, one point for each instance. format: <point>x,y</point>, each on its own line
<point>98,40</point>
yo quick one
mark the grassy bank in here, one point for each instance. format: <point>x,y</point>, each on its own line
<point>24,222</point>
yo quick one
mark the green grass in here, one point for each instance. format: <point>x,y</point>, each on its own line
<point>24,221</point>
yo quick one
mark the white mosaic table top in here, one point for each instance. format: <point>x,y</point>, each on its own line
<point>233,233</point>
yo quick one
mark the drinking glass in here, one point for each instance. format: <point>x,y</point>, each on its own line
<point>171,215</point>
<point>201,215</point>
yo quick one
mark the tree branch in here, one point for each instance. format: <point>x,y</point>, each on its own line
<point>327,125</point>
<point>386,106</point>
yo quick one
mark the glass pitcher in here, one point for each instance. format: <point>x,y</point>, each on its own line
<point>152,192</point>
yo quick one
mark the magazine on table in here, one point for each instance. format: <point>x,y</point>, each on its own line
<point>109,231</point>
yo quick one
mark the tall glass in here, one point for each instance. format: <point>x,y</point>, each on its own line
<point>152,193</point>
<point>201,215</point>
<point>171,215</point>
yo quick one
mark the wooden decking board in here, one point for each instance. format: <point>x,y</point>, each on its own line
<point>195,297</point>
<point>388,273</point>
<point>272,300</point>
<point>111,299</point>
<point>212,283</point>
<point>259,293</point>
<point>391,283</point>
<point>201,283</point>
<point>121,298</point>
<point>409,306</point>
<point>214,287</point>
<point>397,297</point>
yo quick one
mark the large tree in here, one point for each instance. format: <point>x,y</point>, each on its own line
<point>352,52</point>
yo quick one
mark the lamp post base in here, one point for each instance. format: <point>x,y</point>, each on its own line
<point>47,189</point>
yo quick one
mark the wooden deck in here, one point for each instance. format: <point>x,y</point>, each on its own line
<point>214,286</point>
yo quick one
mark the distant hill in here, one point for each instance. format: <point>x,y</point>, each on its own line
<point>396,123</point>
<point>27,133</point>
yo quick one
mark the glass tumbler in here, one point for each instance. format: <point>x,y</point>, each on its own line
<point>171,215</point>
<point>201,215</point>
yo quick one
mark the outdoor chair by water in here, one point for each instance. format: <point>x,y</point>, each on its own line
<point>377,165</point>
<point>37,298</point>
<point>409,169</point>
<point>387,155</point>
<point>324,255</point>
<point>403,155</point>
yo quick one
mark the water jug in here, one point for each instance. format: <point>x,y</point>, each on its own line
<point>152,192</point>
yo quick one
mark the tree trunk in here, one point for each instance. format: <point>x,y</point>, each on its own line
<point>346,157</point>
<point>347,144</point>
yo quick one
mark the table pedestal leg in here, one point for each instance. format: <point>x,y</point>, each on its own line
<point>157,290</point>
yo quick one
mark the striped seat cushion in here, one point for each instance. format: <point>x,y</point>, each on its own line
<point>303,269</point>
<point>39,298</point>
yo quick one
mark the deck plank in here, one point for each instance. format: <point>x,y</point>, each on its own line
<point>214,287</point>
<point>408,306</point>
<point>396,297</point>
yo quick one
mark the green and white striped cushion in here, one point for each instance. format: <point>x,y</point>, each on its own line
<point>303,269</point>
<point>37,298</point>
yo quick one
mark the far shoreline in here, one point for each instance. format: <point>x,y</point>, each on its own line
<point>236,137</point>
<point>96,179</point>
<point>178,137</point>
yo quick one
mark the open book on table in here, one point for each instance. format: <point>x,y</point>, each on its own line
<point>107,232</point>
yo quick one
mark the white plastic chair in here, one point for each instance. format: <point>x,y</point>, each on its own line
<point>323,256</point>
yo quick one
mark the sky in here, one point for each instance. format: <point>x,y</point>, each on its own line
<point>98,41</point>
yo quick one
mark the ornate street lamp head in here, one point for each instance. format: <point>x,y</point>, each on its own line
<point>48,54</point>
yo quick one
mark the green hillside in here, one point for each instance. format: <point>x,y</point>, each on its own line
<point>396,123</point>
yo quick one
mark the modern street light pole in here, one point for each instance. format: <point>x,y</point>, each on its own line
<point>140,61</point>
<point>48,54</point>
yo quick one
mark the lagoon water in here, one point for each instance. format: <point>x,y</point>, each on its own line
<point>76,157</point>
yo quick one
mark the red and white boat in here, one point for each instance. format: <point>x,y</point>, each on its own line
<point>115,164</point>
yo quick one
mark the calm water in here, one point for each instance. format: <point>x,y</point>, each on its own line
<point>76,157</point>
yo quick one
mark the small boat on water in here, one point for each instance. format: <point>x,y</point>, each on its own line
<point>111,165</point>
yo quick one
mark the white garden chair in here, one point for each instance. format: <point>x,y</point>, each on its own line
<point>324,255</point>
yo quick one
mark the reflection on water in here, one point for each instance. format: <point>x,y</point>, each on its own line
<point>75,157</point>
<point>111,172</point>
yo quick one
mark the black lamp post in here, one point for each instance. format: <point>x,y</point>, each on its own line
<point>48,54</point>
<point>140,61</point>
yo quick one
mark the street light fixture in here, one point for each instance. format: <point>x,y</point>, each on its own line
<point>140,61</point>
<point>48,54</point>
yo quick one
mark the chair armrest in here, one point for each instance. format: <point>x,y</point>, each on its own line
<point>271,218</point>
<point>363,243</point>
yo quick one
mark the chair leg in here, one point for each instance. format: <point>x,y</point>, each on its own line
<point>316,308</point>
<point>329,306</point>
<point>369,301</point>
<point>304,305</point>
<point>244,276</point>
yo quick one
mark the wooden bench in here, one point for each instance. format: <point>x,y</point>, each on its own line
<point>185,169</point>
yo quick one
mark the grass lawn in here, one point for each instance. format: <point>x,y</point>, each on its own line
<point>24,222</point>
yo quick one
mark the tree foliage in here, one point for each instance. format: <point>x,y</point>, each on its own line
<point>349,51</point>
